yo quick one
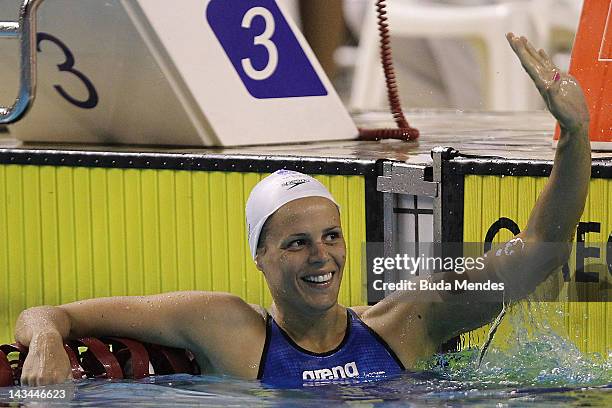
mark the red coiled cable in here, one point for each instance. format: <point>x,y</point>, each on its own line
<point>404,130</point>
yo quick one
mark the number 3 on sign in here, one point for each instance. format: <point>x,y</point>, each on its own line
<point>68,66</point>
<point>264,40</point>
<point>263,50</point>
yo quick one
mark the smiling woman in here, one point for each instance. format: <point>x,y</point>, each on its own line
<point>302,257</point>
<point>295,238</point>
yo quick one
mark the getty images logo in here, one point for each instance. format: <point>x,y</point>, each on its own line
<point>349,370</point>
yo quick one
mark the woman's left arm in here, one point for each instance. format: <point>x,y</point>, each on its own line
<point>534,254</point>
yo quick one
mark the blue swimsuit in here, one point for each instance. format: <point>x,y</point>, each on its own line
<point>362,354</point>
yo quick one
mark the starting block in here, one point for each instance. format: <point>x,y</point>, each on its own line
<point>195,73</point>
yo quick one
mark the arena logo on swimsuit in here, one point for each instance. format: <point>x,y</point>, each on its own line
<point>348,371</point>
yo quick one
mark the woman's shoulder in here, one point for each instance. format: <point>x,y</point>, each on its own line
<point>221,309</point>
<point>359,310</point>
<point>260,310</point>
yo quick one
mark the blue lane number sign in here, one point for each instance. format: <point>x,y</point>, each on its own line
<point>263,49</point>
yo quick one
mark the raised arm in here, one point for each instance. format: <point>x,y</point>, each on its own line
<point>559,207</point>
<point>199,321</point>
<point>543,246</point>
<point>527,260</point>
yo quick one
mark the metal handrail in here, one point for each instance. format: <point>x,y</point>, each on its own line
<point>25,31</point>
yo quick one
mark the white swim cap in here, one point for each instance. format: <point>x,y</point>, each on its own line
<point>272,193</point>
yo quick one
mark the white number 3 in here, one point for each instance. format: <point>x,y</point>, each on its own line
<point>262,39</point>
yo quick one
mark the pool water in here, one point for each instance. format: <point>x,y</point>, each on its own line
<point>412,389</point>
<point>525,368</point>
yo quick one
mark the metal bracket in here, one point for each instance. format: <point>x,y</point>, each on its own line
<point>402,178</point>
<point>25,31</point>
<point>439,155</point>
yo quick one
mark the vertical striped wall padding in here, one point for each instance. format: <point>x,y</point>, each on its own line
<point>487,198</point>
<point>71,233</point>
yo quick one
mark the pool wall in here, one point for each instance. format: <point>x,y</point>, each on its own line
<point>497,194</point>
<point>82,221</point>
<point>77,232</point>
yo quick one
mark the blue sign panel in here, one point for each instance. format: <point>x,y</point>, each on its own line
<point>262,48</point>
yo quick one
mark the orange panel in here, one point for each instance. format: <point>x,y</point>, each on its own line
<point>591,62</point>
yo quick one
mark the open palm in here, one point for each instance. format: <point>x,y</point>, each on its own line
<point>560,91</point>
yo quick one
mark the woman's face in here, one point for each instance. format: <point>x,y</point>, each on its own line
<point>303,254</point>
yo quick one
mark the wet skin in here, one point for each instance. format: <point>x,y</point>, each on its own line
<point>302,259</point>
<point>305,240</point>
<point>304,243</point>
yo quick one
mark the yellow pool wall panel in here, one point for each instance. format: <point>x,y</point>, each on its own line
<point>72,233</point>
<point>487,198</point>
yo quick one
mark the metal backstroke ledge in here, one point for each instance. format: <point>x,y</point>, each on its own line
<point>25,31</point>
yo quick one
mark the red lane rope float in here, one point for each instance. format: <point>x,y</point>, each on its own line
<point>6,372</point>
<point>132,356</point>
<point>110,358</point>
<point>98,361</point>
<point>168,360</point>
<point>404,131</point>
<point>12,357</point>
<point>77,371</point>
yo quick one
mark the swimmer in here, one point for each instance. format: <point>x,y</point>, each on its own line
<point>296,241</point>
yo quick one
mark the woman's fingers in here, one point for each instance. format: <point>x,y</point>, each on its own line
<point>510,37</point>
<point>521,51</point>
<point>46,363</point>
<point>532,65</point>
<point>560,91</point>
<point>24,380</point>
<point>532,51</point>
<point>38,379</point>
<point>547,61</point>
